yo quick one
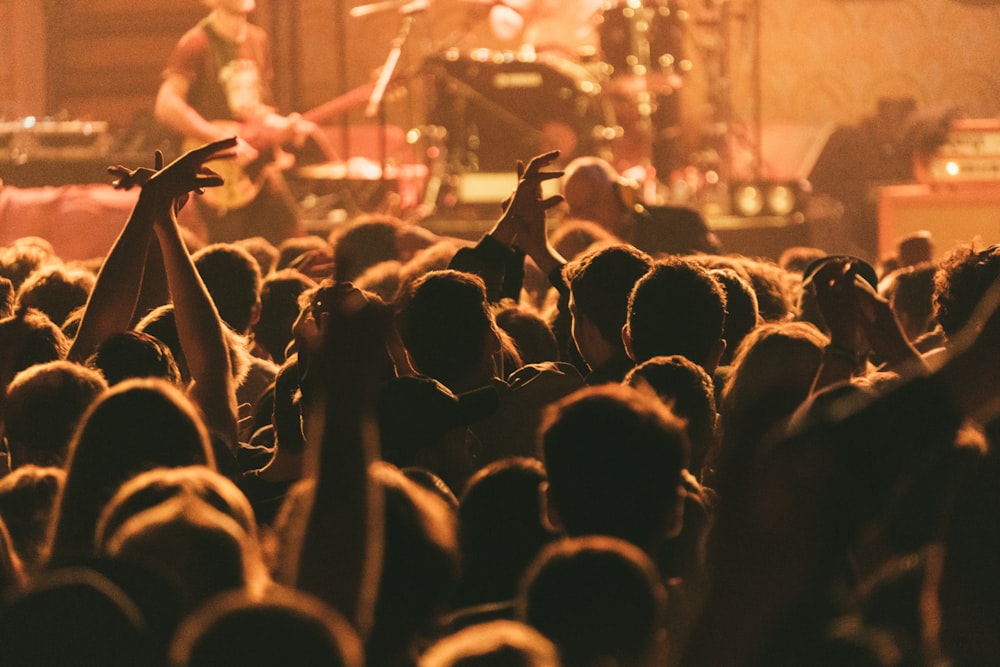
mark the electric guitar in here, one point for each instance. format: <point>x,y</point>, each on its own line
<point>271,134</point>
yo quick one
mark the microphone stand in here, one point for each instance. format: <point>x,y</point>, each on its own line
<point>375,105</point>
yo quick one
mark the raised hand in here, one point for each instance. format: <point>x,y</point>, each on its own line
<point>527,208</point>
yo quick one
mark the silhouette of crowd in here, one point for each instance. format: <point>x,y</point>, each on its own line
<point>606,443</point>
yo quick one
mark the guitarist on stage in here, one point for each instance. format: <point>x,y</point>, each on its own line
<point>217,83</point>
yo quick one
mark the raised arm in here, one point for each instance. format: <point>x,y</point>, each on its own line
<point>199,328</point>
<point>339,555</point>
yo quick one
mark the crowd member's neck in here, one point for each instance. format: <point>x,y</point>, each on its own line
<point>231,25</point>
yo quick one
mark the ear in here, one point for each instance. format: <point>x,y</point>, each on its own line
<point>675,520</point>
<point>550,513</point>
<point>715,356</point>
<point>627,341</point>
<point>255,312</point>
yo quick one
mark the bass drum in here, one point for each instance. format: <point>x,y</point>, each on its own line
<point>499,107</point>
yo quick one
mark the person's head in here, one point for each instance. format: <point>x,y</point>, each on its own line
<point>530,334</point>
<point>73,616</point>
<point>915,248</point>
<point>364,242</point>
<point>24,257</point>
<point>595,191</point>
<point>279,306</point>
<point>284,627</point>
<point>134,354</point>
<point>500,528</point>
<point>448,329</point>
<point>574,237</point>
<point>187,542</point>
<point>315,308</point>
<point>772,374</point>
<point>161,323</point>
<point>32,339</point>
<point>153,487</point>
<point>599,600</point>
<point>7,295</point>
<point>689,391</point>
<point>135,426</point>
<point>600,283</point>
<point>420,567</point>
<point>614,457</point>
<point>742,312</point>
<point>27,498</point>
<point>44,406</point>
<point>382,279</point>
<point>56,291</point>
<point>422,423</point>
<point>293,250</point>
<point>232,277</point>
<point>962,278</point>
<point>796,258</point>
<point>499,643</point>
<point>262,250</point>
<point>678,307</point>
<point>910,291</point>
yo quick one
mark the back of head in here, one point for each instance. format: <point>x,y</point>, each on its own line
<point>27,498</point>
<point>232,277</point>
<point>149,489</point>
<point>690,393</point>
<point>601,282</point>
<point>56,291</point>
<point>493,644</point>
<point>44,406</point>
<point>135,426</point>
<point>575,236</point>
<point>20,260</point>
<point>38,339</point>
<point>500,528</point>
<point>530,334</point>
<point>72,616</point>
<point>742,311</point>
<point>444,321</point>
<point>286,627</point>
<point>961,281</point>
<point>599,600</point>
<point>588,185</point>
<point>420,568</point>
<point>291,250</point>
<point>678,307</point>
<point>134,354</point>
<point>6,297</point>
<point>910,291</point>
<point>772,374</point>
<point>262,250</point>
<point>185,541</point>
<point>365,242</point>
<point>614,457</point>
<point>279,306</point>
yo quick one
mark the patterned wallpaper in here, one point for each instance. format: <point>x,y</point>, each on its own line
<point>831,60</point>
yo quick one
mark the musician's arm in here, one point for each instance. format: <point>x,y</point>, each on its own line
<point>173,111</point>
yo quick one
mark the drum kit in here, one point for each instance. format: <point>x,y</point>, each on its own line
<point>619,101</point>
<point>488,107</point>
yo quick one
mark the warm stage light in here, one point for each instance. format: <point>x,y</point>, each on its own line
<point>748,199</point>
<point>769,198</point>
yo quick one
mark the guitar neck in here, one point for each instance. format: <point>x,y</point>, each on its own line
<point>339,104</point>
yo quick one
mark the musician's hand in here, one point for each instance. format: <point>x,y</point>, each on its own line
<point>245,153</point>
